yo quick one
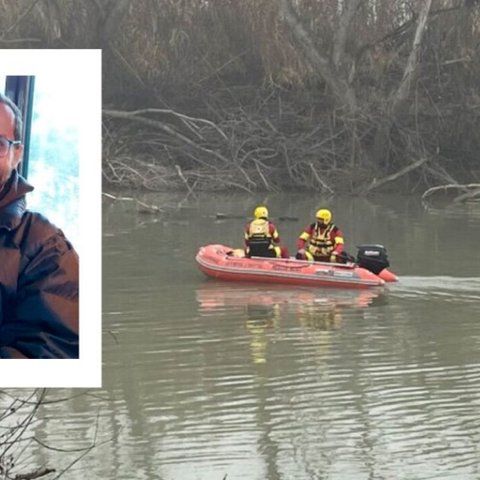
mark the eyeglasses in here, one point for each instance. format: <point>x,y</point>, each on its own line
<point>5,145</point>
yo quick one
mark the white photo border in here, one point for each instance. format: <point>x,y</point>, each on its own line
<point>85,372</point>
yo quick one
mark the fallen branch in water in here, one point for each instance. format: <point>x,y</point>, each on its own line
<point>149,208</point>
<point>390,178</point>
<point>229,216</point>
<point>471,190</point>
<point>468,196</point>
<point>36,474</point>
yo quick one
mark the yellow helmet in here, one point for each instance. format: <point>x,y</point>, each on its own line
<point>260,212</point>
<point>324,215</point>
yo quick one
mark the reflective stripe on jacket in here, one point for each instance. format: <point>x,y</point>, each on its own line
<point>322,242</point>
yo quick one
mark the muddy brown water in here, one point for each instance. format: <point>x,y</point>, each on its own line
<point>210,380</point>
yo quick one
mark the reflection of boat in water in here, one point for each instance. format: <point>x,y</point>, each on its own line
<point>215,296</point>
<point>267,311</point>
<point>218,261</point>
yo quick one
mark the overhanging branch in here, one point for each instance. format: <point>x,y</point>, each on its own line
<point>390,178</point>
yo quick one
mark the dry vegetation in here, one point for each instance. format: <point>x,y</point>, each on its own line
<point>22,436</point>
<point>336,96</point>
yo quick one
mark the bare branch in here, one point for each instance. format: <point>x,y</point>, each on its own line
<point>344,95</point>
<point>474,187</point>
<point>35,474</point>
<point>179,115</point>
<point>341,34</point>
<point>390,178</point>
<point>19,19</point>
<point>404,88</point>
<point>153,208</point>
<point>162,126</point>
<point>319,180</point>
<point>182,176</point>
<point>468,196</point>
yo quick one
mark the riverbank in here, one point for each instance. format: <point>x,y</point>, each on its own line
<point>271,140</point>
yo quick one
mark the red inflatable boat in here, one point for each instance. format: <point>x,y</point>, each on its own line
<point>224,263</point>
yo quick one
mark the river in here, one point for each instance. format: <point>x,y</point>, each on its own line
<point>224,381</point>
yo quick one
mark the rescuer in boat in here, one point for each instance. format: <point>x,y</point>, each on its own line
<point>261,236</point>
<point>321,241</point>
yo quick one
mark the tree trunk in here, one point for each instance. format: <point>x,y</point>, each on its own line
<point>343,93</point>
<point>399,100</point>
<point>403,91</point>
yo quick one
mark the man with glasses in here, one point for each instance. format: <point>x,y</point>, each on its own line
<point>38,265</point>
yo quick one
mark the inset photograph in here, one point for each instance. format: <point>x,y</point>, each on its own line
<point>50,138</point>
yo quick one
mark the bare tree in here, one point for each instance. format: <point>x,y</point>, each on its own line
<point>329,68</point>
<point>348,95</point>
<point>399,100</point>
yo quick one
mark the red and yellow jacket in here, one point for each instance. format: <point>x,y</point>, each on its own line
<point>323,241</point>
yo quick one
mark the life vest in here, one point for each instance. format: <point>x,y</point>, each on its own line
<point>320,243</point>
<point>259,239</point>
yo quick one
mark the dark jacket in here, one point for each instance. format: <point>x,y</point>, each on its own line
<point>38,282</point>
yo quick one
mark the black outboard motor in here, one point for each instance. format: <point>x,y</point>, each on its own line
<point>372,257</point>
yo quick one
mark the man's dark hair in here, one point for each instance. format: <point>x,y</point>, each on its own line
<point>17,128</point>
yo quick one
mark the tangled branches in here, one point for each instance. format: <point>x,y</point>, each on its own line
<point>276,143</point>
<point>20,415</point>
<point>272,146</point>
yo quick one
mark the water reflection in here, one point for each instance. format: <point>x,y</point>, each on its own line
<point>208,379</point>
<point>218,297</point>
<point>269,308</point>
